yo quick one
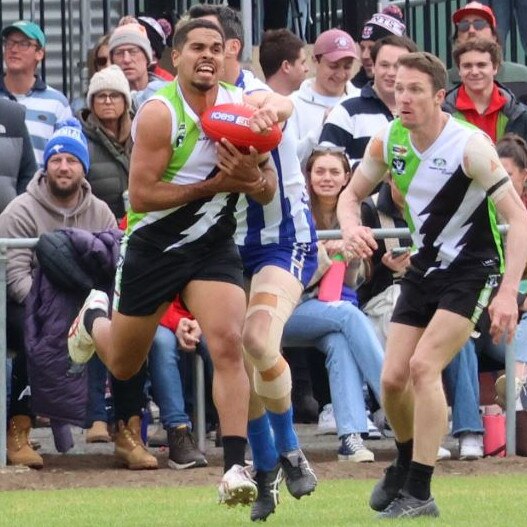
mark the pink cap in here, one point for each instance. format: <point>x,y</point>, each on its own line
<point>475,8</point>
<point>335,44</point>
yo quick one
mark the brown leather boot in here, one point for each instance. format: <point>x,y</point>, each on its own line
<point>98,433</point>
<point>129,446</point>
<point>19,451</point>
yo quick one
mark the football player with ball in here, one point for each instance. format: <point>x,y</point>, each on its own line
<point>183,191</point>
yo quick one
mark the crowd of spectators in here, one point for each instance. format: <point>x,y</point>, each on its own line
<point>63,172</point>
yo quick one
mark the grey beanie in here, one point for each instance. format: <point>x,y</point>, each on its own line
<point>133,34</point>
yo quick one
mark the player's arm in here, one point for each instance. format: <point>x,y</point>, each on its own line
<point>483,164</point>
<point>358,239</point>
<point>151,154</point>
<point>253,172</point>
<point>271,108</point>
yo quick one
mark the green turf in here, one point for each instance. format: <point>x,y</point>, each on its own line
<point>464,501</point>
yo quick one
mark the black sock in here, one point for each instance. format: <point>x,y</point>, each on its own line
<point>233,451</point>
<point>90,316</point>
<point>418,480</point>
<point>405,451</point>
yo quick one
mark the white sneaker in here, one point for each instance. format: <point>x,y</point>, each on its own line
<point>326,421</point>
<point>470,446</point>
<point>443,454</point>
<point>237,487</point>
<point>352,449</point>
<point>80,344</point>
<point>373,431</point>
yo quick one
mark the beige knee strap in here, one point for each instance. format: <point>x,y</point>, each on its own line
<point>275,382</point>
<point>278,304</point>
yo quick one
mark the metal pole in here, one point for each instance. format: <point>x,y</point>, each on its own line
<point>510,391</point>
<point>199,401</point>
<point>70,51</point>
<point>3,357</point>
<point>247,19</point>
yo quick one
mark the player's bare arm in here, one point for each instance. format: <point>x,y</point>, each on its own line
<point>151,154</point>
<point>359,240</point>
<point>271,108</point>
<point>482,163</point>
<point>250,173</point>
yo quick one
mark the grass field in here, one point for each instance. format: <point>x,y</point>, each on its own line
<point>464,501</point>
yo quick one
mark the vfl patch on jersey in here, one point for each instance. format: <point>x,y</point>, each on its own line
<point>398,166</point>
<point>399,150</point>
<point>180,135</point>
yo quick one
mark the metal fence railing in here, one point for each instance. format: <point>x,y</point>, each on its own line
<point>199,384</point>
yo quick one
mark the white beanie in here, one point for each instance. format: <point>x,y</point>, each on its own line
<point>133,34</point>
<point>110,78</point>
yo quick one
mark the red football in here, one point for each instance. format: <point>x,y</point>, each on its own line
<point>232,122</point>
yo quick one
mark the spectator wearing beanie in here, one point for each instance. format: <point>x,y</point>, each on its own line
<point>380,25</point>
<point>158,40</point>
<point>106,122</point>
<point>130,49</point>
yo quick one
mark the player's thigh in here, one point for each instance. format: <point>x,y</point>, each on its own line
<point>444,336</point>
<point>132,336</point>
<point>219,308</point>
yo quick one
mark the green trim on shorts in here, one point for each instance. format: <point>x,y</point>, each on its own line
<point>484,297</point>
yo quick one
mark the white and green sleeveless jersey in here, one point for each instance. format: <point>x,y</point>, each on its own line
<point>202,221</point>
<point>452,221</point>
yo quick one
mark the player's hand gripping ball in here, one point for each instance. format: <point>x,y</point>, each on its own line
<point>232,122</point>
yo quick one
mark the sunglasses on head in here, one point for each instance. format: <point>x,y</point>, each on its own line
<point>100,62</point>
<point>478,25</point>
<point>329,149</point>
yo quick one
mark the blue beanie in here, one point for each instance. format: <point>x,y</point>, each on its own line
<point>68,139</point>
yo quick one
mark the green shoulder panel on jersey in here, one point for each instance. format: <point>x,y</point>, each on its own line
<point>402,162</point>
<point>185,140</point>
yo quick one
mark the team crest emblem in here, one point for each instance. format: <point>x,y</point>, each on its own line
<point>399,150</point>
<point>180,135</point>
<point>399,166</point>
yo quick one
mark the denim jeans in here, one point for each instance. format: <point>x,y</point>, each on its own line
<point>97,377</point>
<point>167,387</point>
<point>462,387</point>
<point>353,355</point>
<point>506,11</point>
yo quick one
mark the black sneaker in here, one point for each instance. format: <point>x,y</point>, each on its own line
<point>183,450</point>
<point>388,487</point>
<point>406,506</point>
<point>268,493</point>
<point>299,476</point>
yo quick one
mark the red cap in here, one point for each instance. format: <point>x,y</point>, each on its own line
<point>475,8</point>
<point>335,44</point>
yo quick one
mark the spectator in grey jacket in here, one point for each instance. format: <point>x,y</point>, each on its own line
<point>107,124</point>
<point>17,162</point>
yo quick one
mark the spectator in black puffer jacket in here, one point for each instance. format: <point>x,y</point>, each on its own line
<point>17,162</point>
<point>107,122</point>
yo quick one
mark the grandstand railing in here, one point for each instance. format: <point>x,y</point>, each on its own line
<point>199,384</point>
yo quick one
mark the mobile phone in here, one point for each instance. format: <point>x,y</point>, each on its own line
<point>399,251</point>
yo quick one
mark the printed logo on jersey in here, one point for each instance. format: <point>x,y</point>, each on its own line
<point>439,162</point>
<point>399,150</point>
<point>398,166</point>
<point>180,135</point>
